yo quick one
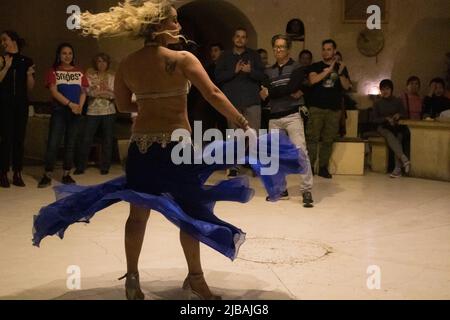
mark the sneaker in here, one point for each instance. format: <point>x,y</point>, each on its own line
<point>407,166</point>
<point>233,173</point>
<point>397,173</point>
<point>283,196</point>
<point>307,200</point>
<point>68,180</point>
<point>78,172</point>
<point>45,182</point>
<point>323,172</point>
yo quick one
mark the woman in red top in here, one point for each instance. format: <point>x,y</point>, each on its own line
<point>67,84</point>
<point>412,100</point>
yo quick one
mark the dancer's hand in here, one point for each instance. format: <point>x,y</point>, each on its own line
<point>252,135</point>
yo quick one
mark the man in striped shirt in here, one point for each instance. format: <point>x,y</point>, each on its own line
<point>283,91</point>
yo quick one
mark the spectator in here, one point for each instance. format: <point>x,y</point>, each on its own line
<point>67,85</point>
<point>101,113</point>
<point>217,120</point>
<point>264,57</point>
<point>347,102</point>
<point>305,58</point>
<point>448,75</point>
<point>436,101</point>
<point>239,73</point>
<point>284,102</point>
<point>412,100</point>
<point>387,112</point>
<point>16,80</point>
<point>329,80</point>
<point>265,109</point>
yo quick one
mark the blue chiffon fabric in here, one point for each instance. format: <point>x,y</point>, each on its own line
<point>179,192</point>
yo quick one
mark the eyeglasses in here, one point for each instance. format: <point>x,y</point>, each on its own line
<point>280,48</point>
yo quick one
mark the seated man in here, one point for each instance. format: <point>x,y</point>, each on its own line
<point>436,102</point>
<point>386,114</point>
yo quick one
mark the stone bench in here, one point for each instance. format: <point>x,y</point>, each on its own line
<point>379,158</point>
<point>347,157</point>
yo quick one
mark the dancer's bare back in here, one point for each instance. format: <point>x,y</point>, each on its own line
<point>161,71</point>
<point>153,70</point>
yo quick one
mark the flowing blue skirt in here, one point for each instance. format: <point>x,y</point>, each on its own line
<point>178,192</point>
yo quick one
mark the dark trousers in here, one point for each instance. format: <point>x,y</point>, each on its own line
<point>63,124</point>
<point>93,123</point>
<point>13,125</point>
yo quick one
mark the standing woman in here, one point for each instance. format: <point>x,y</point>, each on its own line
<point>101,113</point>
<point>16,81</point>
<point>67,84</point>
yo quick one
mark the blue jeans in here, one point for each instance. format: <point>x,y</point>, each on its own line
<point>106,123</point>
<point>63,123</point>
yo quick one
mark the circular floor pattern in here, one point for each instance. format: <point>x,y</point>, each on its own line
<point>282,251</point>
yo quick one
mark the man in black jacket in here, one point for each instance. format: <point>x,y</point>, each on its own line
<point>239,74</point>
<point>436,102</point>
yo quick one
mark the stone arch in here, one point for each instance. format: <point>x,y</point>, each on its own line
<point>208,21</point>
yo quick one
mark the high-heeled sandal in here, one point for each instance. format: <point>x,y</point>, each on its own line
<point>132,286</point>
<point>191,293</point>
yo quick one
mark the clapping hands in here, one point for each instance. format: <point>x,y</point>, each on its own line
<point>245,67</point>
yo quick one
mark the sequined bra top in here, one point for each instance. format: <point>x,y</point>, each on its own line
<point>168,94</point>
<point>145,141</point>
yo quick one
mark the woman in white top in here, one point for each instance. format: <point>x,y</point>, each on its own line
<point>101,113</point>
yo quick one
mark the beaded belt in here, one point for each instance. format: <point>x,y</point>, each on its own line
<point>145,141</point>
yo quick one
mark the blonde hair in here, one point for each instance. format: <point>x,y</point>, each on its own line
<point>134,18</point>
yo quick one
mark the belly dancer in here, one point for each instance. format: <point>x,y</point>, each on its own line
<point>159,78</point>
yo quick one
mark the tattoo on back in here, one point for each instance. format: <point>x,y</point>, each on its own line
<point>171,65</point>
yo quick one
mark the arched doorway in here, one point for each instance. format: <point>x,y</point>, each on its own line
<point>209,21</point>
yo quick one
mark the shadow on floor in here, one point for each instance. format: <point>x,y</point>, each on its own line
<point>153,290</point>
